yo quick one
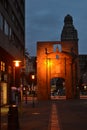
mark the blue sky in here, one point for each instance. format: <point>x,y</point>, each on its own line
<point>44,20</point>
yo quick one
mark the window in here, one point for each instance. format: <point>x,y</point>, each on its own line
<point>57,57</point>
<point>6,27</point>
<point>2,66</point>
<point>1,21</point>
<point>57,47</point>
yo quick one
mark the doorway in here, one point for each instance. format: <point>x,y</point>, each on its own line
<point>58,89</point>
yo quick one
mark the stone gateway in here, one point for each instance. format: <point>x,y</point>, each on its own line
<point>59,59</point>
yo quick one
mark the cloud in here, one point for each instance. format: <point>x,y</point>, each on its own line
<point>45,20</point>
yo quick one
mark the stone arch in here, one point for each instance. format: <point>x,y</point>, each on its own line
<point>48,66</point>
<point>57,85</point>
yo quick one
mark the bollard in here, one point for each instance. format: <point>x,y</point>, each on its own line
<point>13,121</point>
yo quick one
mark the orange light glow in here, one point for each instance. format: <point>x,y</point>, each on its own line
<point>16,63</point>
<point>49,62</point>
<point>33,76</point>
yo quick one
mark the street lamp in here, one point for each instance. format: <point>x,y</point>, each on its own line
<point>13,121</point>
<point>33,91</point>
<point>33,77</point>
<point>14,88</point>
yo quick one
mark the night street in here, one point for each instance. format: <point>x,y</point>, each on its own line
<point>52,115</point>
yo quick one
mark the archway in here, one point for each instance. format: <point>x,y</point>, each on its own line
<point>58,88</point>
<point>51,64</point>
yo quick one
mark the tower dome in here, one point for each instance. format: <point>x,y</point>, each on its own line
<point>68,19</point>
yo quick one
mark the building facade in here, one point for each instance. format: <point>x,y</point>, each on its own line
<point>82,64</point>
<point>83,73</point>
<point>12,42</point>
<point>31,65</point>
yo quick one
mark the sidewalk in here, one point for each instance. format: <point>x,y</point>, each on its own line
<point>72,114</point>
<point>37,117</point>
<point>52,115</point>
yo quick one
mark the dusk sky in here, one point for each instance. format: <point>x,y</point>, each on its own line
<point>44,20</point>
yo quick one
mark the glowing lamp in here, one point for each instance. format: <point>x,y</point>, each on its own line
<point>17,62</point>
<point>33,77</point>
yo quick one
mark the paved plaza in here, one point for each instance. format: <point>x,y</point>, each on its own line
<point>56,114</point>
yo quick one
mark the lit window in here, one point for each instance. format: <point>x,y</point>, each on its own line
<point>2,66</point>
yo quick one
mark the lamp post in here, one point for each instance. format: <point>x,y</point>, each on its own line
<point>14,88</point>
<point>13,119</point>
<point>33,91</point>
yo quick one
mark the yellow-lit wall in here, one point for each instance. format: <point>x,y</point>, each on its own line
<point>3,93</point>
<point>48,66</point>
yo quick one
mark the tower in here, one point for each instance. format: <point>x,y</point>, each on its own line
<point>69,36</point>
<point>69,42</point>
